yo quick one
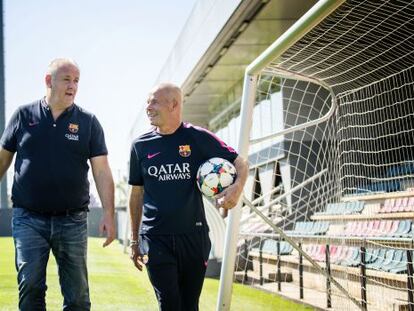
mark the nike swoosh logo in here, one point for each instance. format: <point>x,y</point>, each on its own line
<point>150,156</point>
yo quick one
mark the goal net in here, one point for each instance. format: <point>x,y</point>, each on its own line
<point>329,203</point>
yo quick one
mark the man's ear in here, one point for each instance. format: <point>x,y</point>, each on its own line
<point>174,104</point>
<point>48,80</point>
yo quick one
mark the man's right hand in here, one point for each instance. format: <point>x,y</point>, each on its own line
<point>138,259</point>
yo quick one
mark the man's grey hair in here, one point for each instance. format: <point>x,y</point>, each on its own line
<point>58,63</point>
<point>173,91</point>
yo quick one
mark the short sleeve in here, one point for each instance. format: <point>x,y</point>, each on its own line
<point>135,173</point>
<point>212,146</point>
<point>9,140</point>
<point>97,146</point>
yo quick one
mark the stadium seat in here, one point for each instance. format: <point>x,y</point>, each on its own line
<point>404,229</point>
<point>400,267</point>
<point>358,207</point>
<point>388,259</point>
<point>342,252</point>
<point>346,254</point>
<point>404,204</point>
<point>406,168</point>
<point>361,228</point>
<point>336,230</point>
<point>371,209</point>
<point>310,228</point>
<point>375,227</point>
<point>410,205</point>
<point>285,248</point>
<point>332,251</point>
<point>312,250</point>
<point>381,186</point>
<point>351,228</point>
<point>315,228</point>
<point>376,263</point>
<point>388,206</point>
<point>381,228</point>
<point>320,256</point>
<point>398,255</point>
<point>398,206</point>
<point>394,227</point>
<point>371,255</point>
<point>269,246</point>
<point>353,258</point>
<point>368,231</point>
<point>387,227</point>
<point>323,227</point>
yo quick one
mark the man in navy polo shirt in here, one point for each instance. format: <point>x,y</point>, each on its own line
<point>53,139</point>
<point>168,223</point>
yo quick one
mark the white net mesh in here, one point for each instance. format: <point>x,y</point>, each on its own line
<point>342,188</point>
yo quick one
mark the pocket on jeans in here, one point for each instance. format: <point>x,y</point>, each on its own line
<point>78,216</point>
<point>20,212</point>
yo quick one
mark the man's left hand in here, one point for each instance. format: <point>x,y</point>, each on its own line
<point>229,197</point>
<point>107,226</point>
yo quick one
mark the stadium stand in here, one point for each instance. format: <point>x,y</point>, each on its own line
<point>332,162</point>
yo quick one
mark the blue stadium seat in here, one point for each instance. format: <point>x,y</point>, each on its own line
<point>400,267</point>
<point>404,229</point>
<point>269,246</point>
<point>398,255</point>
<point>384,260</point>
<point>354,259</point>
<point>371,255</point>
<point>376,262</point>
<point>406,168</point>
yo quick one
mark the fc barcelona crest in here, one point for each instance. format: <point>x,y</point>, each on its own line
<point>184,150</point>
<point>73,128</point>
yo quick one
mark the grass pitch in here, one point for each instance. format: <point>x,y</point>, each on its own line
<point>115,285</point>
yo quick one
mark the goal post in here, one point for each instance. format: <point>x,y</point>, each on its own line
<point>233,224</point>
<point>327,125</point>
<point>317,13</point>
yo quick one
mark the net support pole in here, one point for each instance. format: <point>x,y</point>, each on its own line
<point>233,225</point>
<point>410,287</point>
<point>278,272</point>
<point>328,281</point>
<point>261,262</point>
<point>300,273</point>
<point>363,279</point>
<point>246,267</point>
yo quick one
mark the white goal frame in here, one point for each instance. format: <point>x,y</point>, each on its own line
<point>312,18</point>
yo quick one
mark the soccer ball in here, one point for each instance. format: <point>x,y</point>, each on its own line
<point>215,175</point>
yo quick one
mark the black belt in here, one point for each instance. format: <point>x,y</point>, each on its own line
<point>65,212</point>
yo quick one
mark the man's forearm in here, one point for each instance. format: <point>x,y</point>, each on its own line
<point>104,183</point>
<point>6,157</point>
<point>135,211</point>
<point>242,169</point>
<point>106,188</point>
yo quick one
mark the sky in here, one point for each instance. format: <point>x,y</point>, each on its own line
<point>120,47</point>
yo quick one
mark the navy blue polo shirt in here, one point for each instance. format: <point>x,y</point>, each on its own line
<point>166,166</point>
<point>51,167</point>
